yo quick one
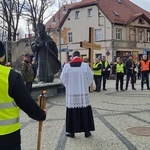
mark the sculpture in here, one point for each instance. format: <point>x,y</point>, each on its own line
<point>46,55</point>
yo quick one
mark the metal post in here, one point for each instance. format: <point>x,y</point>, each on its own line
<point>59,34</point>
<point>113,43</point>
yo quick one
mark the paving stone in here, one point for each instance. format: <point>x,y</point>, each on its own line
<point>114,113</point>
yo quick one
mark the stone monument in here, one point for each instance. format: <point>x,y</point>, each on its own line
<point>46,55</point>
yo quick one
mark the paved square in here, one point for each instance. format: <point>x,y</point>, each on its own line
<point>114,113</point>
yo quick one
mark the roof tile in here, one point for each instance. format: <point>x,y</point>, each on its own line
<point>127,11</point>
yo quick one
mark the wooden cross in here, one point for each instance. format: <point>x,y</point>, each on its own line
<point>91,46</point>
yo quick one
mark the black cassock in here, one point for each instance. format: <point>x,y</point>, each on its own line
<point>79,119</point>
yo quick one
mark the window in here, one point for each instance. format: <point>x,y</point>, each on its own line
<point>118,34</point>
<point>90,12</point>
<point>119,1</point>
<point>70,37</point>
<point>132,34</point>
<point>141,35</point>
<point>148,35</point>
<point>98,35</point>
<point>141,21</point>
<point>77,14</point>
<point>116,14</point>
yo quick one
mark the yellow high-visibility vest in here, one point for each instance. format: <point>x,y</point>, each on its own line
<point>97,72</point>
<point>9,112</point>
<point>120,68</point>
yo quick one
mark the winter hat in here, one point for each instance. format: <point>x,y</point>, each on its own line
<point>2,52</point>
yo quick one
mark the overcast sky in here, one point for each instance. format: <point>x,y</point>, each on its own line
<point>145,4</point>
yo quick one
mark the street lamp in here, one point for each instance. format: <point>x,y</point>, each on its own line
<point>59,27</point>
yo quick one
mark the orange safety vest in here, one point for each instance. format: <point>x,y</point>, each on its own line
<point>145,65</point>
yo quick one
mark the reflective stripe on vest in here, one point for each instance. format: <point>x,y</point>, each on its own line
<point>7,105</point>
<point>144,65</point>
<point>119,68</point>
<point>97,72</point>
<point>9,112</point>
<point>9,122</point>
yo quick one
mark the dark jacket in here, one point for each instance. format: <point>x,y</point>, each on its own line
<point>24,101</point>
<point>27,72</point>
<point>105,67</point>
<point>128,66</point>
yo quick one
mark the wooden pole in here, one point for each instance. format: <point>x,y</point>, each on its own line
<point>91,46</point>
<point>42,105</point>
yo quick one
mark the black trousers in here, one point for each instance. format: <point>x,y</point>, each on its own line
<point>98,79</point>
<point>132,80</point>
<point>104,76</point>
<point>29,86</point>
<point>119,77</point>
<point>145,76</point>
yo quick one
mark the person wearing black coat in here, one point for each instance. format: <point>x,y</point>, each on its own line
<point>130,66</point>
<point>105,66</point>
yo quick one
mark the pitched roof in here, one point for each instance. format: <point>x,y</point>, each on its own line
<point>126,9</point>
<point>136,16</point>
<point>59,13</point>
<point>117,11</point>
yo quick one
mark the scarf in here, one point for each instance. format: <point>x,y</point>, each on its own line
<point>76,59</point>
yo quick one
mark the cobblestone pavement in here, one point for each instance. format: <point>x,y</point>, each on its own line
<point>114,113</point>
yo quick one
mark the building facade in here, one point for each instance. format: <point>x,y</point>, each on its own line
<point>120,27</point>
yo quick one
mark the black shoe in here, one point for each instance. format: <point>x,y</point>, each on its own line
<point>87,134</point>
<point>148,88</point>
<point>116,89</point>
<point>70,134</point>
<point>126,89</point>
<point>104,89</point>
<point>133,88</point>
<point>141,88</point>
<point>122,90</point>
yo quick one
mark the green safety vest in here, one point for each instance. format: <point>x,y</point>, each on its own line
<point>9,112</point>
<point>120,68</point>
<point>97,72</point>
<point>106,64</point>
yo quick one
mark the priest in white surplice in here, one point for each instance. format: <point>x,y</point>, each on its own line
<point>77,76</point>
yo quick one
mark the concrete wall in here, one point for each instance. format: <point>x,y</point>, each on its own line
<point>17,49</point>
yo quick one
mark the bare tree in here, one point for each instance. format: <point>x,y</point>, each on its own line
<point>10,12</point>
<point>34,11</point>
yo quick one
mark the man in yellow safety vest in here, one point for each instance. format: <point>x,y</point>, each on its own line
<point>14,95</point>
<point>120,70</point>
<point>97,70</point>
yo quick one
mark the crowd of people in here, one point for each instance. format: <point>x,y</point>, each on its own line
<point>76,76</point>
<point>130,69</point>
